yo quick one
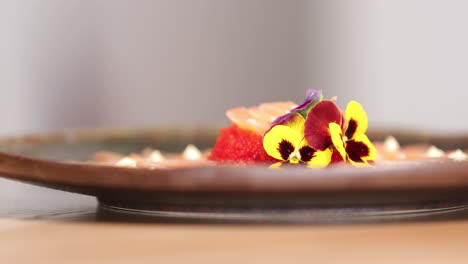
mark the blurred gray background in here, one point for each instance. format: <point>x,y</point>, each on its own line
<point>70,64</point>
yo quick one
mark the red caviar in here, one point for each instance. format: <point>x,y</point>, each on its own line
<point>241,146</point>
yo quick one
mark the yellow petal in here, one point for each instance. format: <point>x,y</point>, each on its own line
<point>372,152</point>
<point>336,136</point>
<point>296,122</point>
<point>355,113</point>
<point>321,159</point>
<point>276,135</point>
<point>276,165</point>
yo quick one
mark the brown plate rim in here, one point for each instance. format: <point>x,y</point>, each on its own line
<point>408,175</point>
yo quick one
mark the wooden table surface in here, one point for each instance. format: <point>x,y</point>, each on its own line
<point>39,225</point>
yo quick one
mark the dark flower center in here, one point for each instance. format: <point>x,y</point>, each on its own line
<point>285,148</point>
<point>307,153</point>
<point>352,126</point>
<point>357,150</point>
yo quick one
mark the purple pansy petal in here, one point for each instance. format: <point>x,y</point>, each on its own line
<point>311,96</point>
<point>281,119</point>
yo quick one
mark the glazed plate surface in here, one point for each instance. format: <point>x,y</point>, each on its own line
<point>390,190</point>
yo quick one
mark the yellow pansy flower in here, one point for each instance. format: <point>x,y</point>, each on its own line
<point>285,142</point>
<point>353,145</point>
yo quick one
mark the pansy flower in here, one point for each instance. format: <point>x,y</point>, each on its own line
<point>286,143</point>
<point>312,97</point>
<point>327,127</point>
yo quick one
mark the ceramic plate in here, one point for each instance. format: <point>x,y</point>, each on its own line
<point>227,192</point>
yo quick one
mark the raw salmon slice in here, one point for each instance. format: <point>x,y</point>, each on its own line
<point>258,118</point>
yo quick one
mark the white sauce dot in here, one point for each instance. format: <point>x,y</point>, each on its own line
<point>434,152</point>
<point>126,162</point>
<point>156,156</point>
<point>458,155</point>
<point>391,144</point>
<point>192,153</point>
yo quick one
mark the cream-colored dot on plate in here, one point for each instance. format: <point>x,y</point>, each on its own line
<point>458,155</point>
<point>126,162</point>
<point>391,144</point>
<point>434,152</point>
<point>156,156</point>
<point>192,153</point>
